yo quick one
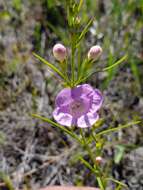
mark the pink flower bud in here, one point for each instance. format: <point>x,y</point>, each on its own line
<point>94,52</point>
<point>99,159</point>
<point>60,52</point>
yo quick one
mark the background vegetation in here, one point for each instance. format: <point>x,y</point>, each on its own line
<point>34,154</point>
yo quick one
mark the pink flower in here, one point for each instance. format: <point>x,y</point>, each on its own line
<point>78,106</point>
<point>60,52</point>
<point>94,52</point>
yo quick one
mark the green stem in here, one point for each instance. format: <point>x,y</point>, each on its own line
<point>86,146</point>
<point>72,65</point>
<point>64,66</point>
<point>99,177</point>
<point>79,62</point>
<point>100,183</point>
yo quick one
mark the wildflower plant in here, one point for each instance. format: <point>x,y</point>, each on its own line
<point>78,104</point>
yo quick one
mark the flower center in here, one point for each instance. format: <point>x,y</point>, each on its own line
<point>79,107</point>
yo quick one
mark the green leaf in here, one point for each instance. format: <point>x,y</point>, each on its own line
<point>104,69</point>
<point>17,4</point>
<point>117,128</point>
<point>55,69</point>
<point>85,30</point>
<point>101,184</point>
<point>116,63</point>
<point>87,165</point>
<point>80,4</point>
<point>50,3</point>
<point>116,181</point>
<point>59,32</point>
<point>119,152</point>
<point>99,179</point>
<point>4,15</point>
<point>7,181</point>
<point>2,138</point>
<point>98,124</point>
<point>72,134</point>
<point>82,68</point>
<point>111,72</point>
<point>135,71</point>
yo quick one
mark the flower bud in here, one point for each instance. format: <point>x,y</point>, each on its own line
<point>99,159</point>
<point>60,52</point>
<point>94,52</point>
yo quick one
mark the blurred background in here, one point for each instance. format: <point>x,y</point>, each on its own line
<point>33,153</point>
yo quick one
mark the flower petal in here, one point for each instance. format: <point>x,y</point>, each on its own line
<point>76,92</point>
<point>87,89</point>
<point>97,100</point>
<point>81,91</point>
<point>62,118</point>
<point>64,97</point>
<point>78,106</point>
<point>87,120</point>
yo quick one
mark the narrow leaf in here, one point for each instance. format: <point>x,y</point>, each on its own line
<point>87,165</point>
<point>80,4</point>
<point>104,69</point>
<point>119,152</point>
<point>55,69</point>
<point>85,30</point>
<point>57,125</point>
<point>117,128</point>
<point>58,31</point>
<point>116,181</point>
<point>100,182</point>
<point>135,71</point>
<point>116,63</point>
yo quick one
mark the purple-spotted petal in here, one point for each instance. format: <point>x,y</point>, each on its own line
<point>64,97</point>
<point>87,120</point>
<point>62,118</point>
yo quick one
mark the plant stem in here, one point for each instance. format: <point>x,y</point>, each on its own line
<point>72,64</point>
<point>79,62</point>
<point>86,146</point>
<point>100,183</point>
<point>99,177</point>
